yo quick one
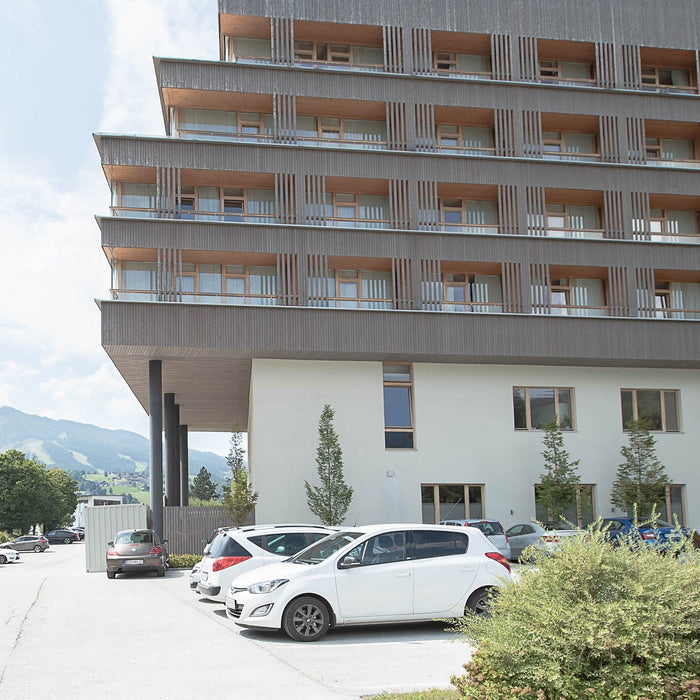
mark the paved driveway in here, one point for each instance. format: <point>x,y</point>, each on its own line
<point>68,634</point>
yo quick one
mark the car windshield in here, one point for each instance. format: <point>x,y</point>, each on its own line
<point>321,550</point>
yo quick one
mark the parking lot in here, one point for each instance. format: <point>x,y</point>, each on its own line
<point>65,633</point>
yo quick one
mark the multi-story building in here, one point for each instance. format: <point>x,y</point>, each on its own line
<point>452,221</point>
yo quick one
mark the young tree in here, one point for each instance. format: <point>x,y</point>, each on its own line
<point>63,500</point>
<point>560,480</point>
<point>331,500</point>
<point>641,479</point>
<point>239,497</point>
<point>202,487</point>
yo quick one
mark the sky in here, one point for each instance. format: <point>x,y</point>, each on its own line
<point>71,68</point>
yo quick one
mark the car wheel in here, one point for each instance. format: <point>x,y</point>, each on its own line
<point>3,559</point>
<point>67,540</point>
<point>479,602</point>
<point>37,548</point>
<point>111,574</point>
<point>161,571</point>
<point>306,619</point>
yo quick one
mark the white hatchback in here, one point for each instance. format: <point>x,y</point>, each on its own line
<point>377,573</point>
<point>236,550</point>
<point>8,555</point>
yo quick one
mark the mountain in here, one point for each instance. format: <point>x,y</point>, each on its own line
<point>71,445</point>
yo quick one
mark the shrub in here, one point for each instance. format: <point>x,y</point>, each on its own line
<point>5,537</point>
<point>591,620</point>
<point>184,561</point>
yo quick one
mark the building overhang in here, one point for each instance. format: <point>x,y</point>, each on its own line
<point>207,350</point>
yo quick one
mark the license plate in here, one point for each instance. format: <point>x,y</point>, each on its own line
<point>133,561</point>
<point>205,575</point>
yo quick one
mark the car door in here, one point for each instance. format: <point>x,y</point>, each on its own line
<point>380,586</point>
<point>521,536</point>
<point>443,571</point>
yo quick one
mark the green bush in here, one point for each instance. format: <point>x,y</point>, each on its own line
<point>184,561</point>
<point>5,537</point>
<point>591,621</point>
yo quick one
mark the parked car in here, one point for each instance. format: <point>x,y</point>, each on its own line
<point>236,550</point>
<point>545,535</point>
<point>136,550</point>
<point>8,556</point>
<point>373,574</point>
<point>80,530</point>
<point>62,535</point>
<point>653,533</point>
<point>27,543</point>
<point>491,528</point>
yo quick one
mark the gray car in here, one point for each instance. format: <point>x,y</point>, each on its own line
<point>545,535</point>
<point>491,528</point>
<point>136,550</point>
<point>27,543</point>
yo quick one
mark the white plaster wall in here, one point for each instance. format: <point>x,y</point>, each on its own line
<point>464,434</point>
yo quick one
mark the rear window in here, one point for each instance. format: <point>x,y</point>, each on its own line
<point>488,528</point>
<point>431,543</point>
<point>282,543</point>
<point>223,546</point>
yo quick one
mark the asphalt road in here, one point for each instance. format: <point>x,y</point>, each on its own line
<point>68,634</point>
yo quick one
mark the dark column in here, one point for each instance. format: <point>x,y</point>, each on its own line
<point>155,459</point>
<point>172,463</point>
<point>184,467</point>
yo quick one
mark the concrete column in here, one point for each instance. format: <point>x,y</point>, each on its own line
<point>172,442</point>
<point>184,467</point>
<point>155,459</point>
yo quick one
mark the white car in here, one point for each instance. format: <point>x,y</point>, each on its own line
<point>8,555</point>
<point>237,550</point>
<point>377,573</point>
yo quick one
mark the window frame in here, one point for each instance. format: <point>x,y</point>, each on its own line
<point>411,406</point>
<point>528,411</point>
<point>662,402</point>
<point>466,500</point>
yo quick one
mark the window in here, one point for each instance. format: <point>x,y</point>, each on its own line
<point>429,543</point>
<point>353,289</point>
<point>534,407</point>
<point>577,297</point>
<point>140,278</point>
<point>568,145</point>
<point>381,549</point>
<point>343,54</point>
<point>244,48</point>
<point>674,508</point>
<point>468,64</point>
<point>670,225</point>
<point>580,514</point>
<point>398,406</point>
<point>654,77</point>
<point>663,149</point>
<point>573,221</point>
<point>451,501</point>
<point>351,208</point>
<point>461,292</point>
<point>359,133</point>
<point>468,215</point>
<point>555,71</point>
<point>468,140</point>
<point>250,284</point>
<point>658,407</point>
<point>675,299</point>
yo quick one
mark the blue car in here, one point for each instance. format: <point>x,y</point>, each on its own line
<point>659,534</point>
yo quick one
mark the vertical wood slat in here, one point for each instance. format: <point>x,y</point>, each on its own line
<point>288,279</point>
<point>168,191</point>
<point>315,188</point>
<point>396,126</point>
<point>508,209</point>
<point>317,280</point>
<point>399,203</point>
<point>536,211</point>
<point>431,284</point>
<point>284,117</point>
<point>529,63</point>
<point>393,49</point>
<point>532,133</point>
<point>168,275</point>
<point>640,216</point>
<point>697,69</point>
<point>645,286</point>
<point>501,57</point>
<point>636,140</point>
<point>539,288</point>
<point>428,205</point>
<point>422,51</point>
<point>609,138</point>
<point>512,283</point>
<point>613,214</point>
<point>631,67</point>
<point>504,123</point>
<point>426,138</point>
<point>282,40</point>
<point>185,526</point>
<point>605,64</point>
<point>403,283</point>
<point>618,291</point>
<point>285,198</point>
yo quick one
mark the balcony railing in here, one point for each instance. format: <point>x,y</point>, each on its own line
<point>560,232</point>
<point>461,307</point>
<point>467,150</point>
<point>667,237</point>
<point>351,223</point>
<point>576,310</point>
<point>462,227</point>
<point>195,297</point>
<point>572,82</point>
<point>673,162</point>
<point>573,157</point>
<point>193,215</point>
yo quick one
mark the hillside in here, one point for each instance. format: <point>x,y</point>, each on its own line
<point>71,445</point>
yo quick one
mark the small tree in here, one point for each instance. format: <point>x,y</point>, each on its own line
<point>559,483</point>
<point>239,497</point>
<point>202,487</point>
<point>329,501</point>
<point>641,479</point>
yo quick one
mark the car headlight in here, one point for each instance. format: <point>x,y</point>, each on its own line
<point>267,586</point>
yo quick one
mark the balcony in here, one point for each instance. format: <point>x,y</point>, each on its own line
<point>669,220</point>
<point>462,131</point>
<point>674,299</point>
<point>672,144</point>
<point>566,63</point>
<point>464,56</point>
<point>566,220</point>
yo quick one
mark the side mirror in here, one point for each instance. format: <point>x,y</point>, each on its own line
<point>110,544</point>
<point>348,562</point>
<point>164,542</point>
